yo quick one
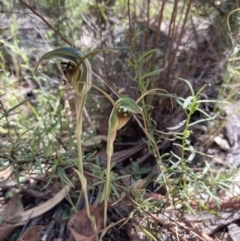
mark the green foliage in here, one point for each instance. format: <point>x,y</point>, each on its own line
<point>32,129</point>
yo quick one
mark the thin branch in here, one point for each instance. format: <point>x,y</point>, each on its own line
<point>45,21</point>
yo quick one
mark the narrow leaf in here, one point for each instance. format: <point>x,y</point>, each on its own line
<point>187,102</point>
<point>152,73</point>
<point>182,123</point>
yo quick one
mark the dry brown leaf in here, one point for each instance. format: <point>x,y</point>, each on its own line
<point>32,234</point>
<point>4,174</point>
<point>5,231</point>
<point>80,237</point>
<point>23,217</point>
<point>13,208</point>
<point>80,226</point>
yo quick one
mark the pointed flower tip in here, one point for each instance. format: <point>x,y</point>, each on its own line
<point>128,105</point>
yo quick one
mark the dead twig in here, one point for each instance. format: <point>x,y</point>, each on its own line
<point>45,21</point>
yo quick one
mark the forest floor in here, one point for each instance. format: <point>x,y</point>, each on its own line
<point>39,191</point>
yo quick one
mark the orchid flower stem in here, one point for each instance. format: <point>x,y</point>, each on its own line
<point>107,186</point>
<point>111,138</point>
<point>80,103</point>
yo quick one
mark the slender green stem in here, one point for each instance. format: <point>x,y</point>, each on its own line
<point>183,162</point>
<point>79,147</point>
<point>111,138</point>
<point>80,103</point>
<point>107,189</point>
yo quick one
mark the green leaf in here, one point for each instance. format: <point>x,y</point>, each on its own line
<point>192,155</point>
<point>147,54</point>
<point>187,102</point>
<point>82,179</point>
<point>107,187</point>
<point>64,177</point>
<point>189,85</point>
<point>182,123</point>
<point>203,120</point>
<point>152,73</point>
<point>7,113</point>
<point>147,233</point>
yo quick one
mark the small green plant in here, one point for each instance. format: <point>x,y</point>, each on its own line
<point>180,167</point>
<point>182,184</point>
<point>79,74</point>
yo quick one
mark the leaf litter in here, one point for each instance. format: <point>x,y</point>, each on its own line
<point>80,226</point>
